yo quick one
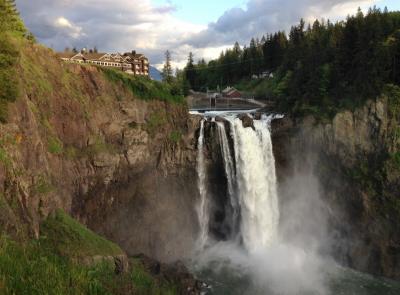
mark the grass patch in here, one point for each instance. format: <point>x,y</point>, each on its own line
<point>55,146</point>
<point>71,152</point>
<point>43,187</point>
<point>143,87</point>
<point>67,237</point>
<point>30,269</point>
<point>395,159</point>
<point>4,158</point>
<point>145,284</point>
<point>393,94</point>
<point>35,77</point>
<point>44,266</point>
<point>9,86</point>
<point>99,146</point>
<point>142,280</point>
<point>155,121</point>
<point>175,136</point>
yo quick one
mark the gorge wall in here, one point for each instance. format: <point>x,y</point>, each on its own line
<point>126,167</point>
<point>121,165</point>
<point>355,156</point>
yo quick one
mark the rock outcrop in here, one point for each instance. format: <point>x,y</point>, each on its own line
<point>78,141</point>
<point>355,158</point>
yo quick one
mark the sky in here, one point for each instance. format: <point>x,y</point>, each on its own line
<point>204,27</point>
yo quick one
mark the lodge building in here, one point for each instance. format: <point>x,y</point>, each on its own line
<point>131,62</point>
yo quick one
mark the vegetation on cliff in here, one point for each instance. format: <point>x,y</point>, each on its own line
<point>10,25</point>
<point>142,87</point>
<point>50,265</point>
<point>318,69</point>
<point>61,123</point>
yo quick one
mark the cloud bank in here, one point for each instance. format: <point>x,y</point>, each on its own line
<point>123,25</point>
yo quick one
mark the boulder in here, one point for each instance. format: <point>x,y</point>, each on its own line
<point>247,121</point>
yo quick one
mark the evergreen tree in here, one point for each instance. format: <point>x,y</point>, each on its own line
<point>167,73</point>
<point>190,71</point>
<point>321,66</point>
<point>9,17</point>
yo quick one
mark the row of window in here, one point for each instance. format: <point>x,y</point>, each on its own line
<point>111,64</point>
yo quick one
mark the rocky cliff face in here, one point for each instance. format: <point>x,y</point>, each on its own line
<point>77,141</point>
<point>355,157</point>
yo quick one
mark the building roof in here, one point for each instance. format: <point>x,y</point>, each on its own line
<point>66,54</point>
<point>93,56</point>
<point>229,89</point>
<point>129,57</point>
<point>134,55</point>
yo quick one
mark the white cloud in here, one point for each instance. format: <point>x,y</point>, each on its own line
<point>68,28</point>
<point>267,16</point>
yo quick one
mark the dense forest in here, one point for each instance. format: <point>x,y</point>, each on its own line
<point>319,67</point>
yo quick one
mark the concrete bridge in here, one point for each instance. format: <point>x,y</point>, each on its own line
<point>201,103</point>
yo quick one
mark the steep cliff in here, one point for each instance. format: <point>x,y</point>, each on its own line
<point>85,140</point>
<point>356,158</point>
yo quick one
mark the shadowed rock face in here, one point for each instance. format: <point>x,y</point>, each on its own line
<point>123,166</point>
<point>360,183</point>
<point>149,205</point>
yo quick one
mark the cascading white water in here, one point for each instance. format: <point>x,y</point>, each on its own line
<point>257,186</point>
<point>202,208</point>
<point>229,166</point>
<point>252,189</point>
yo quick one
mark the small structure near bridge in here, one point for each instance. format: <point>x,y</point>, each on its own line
<point>231,92</point>
<point>213,96</point>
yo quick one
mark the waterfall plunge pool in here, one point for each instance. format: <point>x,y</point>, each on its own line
<point>256,257</point>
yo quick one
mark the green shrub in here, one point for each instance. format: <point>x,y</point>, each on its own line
<point>30,269</point>
<point>175,136</point>
<point>142,280</point>
<point>143,87</point>
<point>393,94</point>
<point>44,266</point>
<point>99,146</point>
<point>155,121</point>
<point>55,146</point>
<point>67,237</point>
<point>145,284</point>
<point>4,158</point>
<point>9,88</point>
<point>395,158</point>
<point>43,187</point>
<point>71,152</point>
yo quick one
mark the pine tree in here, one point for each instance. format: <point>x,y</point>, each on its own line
<point>9,17</point>
<point>167,73</point>
<point>190,71</point>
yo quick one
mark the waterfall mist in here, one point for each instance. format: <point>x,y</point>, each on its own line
<point>281,235</point>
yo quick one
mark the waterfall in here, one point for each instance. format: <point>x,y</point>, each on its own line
<point>257,186</point>
<point>229,166</point>
<point>202,209</point>
<point>251,184</point>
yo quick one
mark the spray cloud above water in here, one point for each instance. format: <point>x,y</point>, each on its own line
<point>277,246</point>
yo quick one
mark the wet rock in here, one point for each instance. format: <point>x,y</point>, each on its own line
<point>247,121</point>
<point>121,264</point>
<point>175,273</point>
<point>258,115</point>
